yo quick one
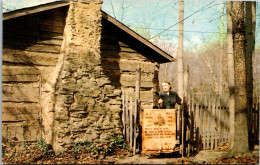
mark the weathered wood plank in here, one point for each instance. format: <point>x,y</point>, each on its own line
<point>29,47</point>
<point>36,40</point>
<point>51,28</point>
<point>40,34</point>
<point>20,108</point>
<point>146,67</point>
<point>123,55</point>
<point>54,23</point>
<point>26,57</point>
<point>35,132</point>
<point>32,27</point>
<point>132,84</point>
<point>21,92</point>
<point>127,65</point>
<point>21,78</point>
<point>19,70</point>
<point>15,133</point>
<point>145,78</point>
<point>51,41</point>
<point>114,47</point>
<point>20,117</point>
<point>23,133</point>
<point>146,96</point>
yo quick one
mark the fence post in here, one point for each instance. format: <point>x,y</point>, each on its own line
<point>209,122</point>
<point>135,126</point>
<point>131,122</point>
<point>200,123</point>
<point>188,137</point>
<point>257,124</point>
<point>213,122</point>
<point>182,130</point>
<point>192,126</point>
<point>137,97</point>
<point>197,123</point>
<point>204,122</point>
<point>127,117</point>
<point>123,114</point>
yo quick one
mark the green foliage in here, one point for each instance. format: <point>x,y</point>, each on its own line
<point>119,142</point>
<point>116,143</point>
<point>83,147</point>
<point>42,145</point>
<point>87,147</point>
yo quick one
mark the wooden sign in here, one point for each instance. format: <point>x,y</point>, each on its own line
<point>159,130</point>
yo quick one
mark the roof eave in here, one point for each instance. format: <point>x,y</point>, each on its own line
<point>34,9</point>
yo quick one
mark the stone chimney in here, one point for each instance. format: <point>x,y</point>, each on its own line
<point>85,105</point>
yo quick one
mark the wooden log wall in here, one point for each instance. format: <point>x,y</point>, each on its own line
<point>31,47</point>
<point>124,59</point>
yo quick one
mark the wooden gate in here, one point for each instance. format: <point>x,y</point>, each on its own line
<point>130,121</point>
<point>208,126</point>
<point>209,123</point>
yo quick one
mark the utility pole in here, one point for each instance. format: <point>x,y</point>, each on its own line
<point>181,69</point>
<point>222,56</point>
<point>180,51</point>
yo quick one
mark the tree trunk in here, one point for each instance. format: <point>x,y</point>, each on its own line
<point>250,46</point>
<point>239,36</point>
<point>180,51</point>
<point>230,74</point>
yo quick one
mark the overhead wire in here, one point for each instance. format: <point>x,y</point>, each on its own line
<point>178,30</point>
<point>181,20</point>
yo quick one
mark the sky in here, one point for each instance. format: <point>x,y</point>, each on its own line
<point>157,20</point>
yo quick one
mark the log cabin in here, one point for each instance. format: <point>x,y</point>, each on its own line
<point>65,65</point>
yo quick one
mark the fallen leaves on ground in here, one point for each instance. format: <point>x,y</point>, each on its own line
<point>35,156</point>
<point>237,160</point>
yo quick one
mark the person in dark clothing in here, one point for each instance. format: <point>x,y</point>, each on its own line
<point>168,98</point>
